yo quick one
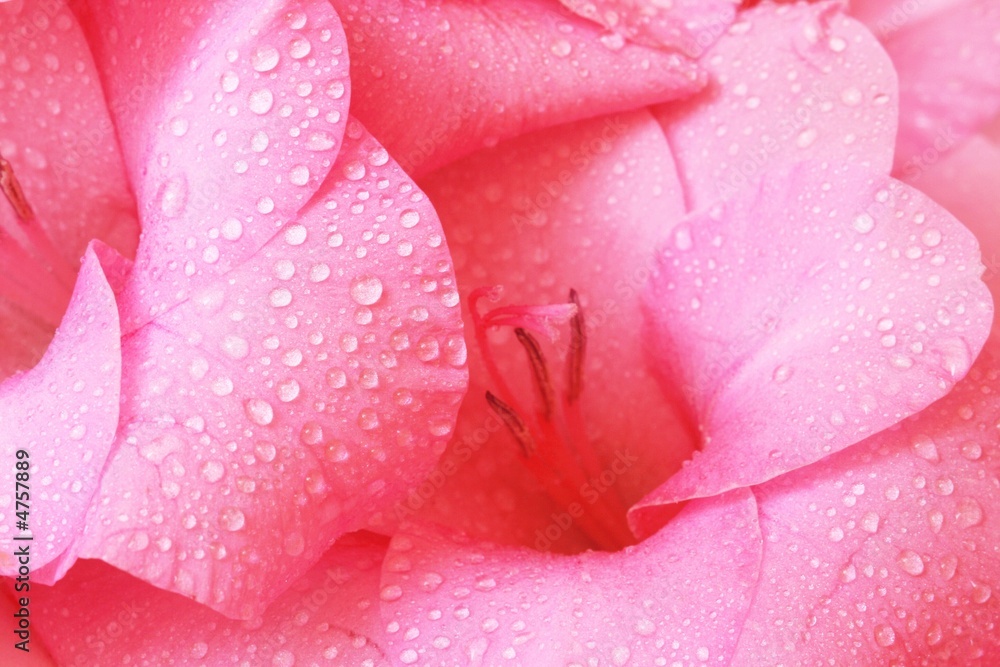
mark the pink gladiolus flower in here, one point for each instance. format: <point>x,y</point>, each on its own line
<point>731,398</point>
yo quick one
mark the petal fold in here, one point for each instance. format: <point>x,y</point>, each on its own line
<point>790,83</point>
<point>886,553</point>
<point>678,597</point>
<point>57,426</point>
<point>453,61</point>
<point>689,26</point>
<point>289,401</point>
<point>947,54</point>
<point>807,314</point>
<point>230,115</point>
<point>329,616</point>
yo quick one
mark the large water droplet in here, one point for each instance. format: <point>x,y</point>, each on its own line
<point>366,290</point>
<point>265,58</point>
<point>911,562</point>
<point>232,519</point>
<point>259,411</point>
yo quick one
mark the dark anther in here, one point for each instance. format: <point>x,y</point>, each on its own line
<point>577,349</point>
<point>12,189</point>
<point>513,422</point>
<point>538,369</point>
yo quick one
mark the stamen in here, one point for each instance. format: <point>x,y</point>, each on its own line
<point>577,350</point>
<point>542,320</point>
<point>15,195</point>
<point>36,277</point>
<point>553,437</point>
<point>514,424</point>
<point>539,370</point>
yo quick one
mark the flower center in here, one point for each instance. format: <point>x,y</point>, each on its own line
<point>35,277</point>
<point>550,430</point>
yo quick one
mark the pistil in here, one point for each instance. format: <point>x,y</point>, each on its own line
<point>35,276</point>
<point>552,436</point>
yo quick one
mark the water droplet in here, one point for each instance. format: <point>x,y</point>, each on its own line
<point>320,141</point>
<point>311,433</point>
<point>157,449</point>
<point>885,635</point>
<point>911,562</point>
<point>981,593</point>
<point>366,290</point>
<point>265,451</point>
<point>295,544</point>
<point>299,47</point>
<point>260,101</point>
<point>369,379</point>
<point>299,175</point>
<point>232,229</point>
<point>944,486</point>
<point>212,471</point>
<point>230,81</point>
<point>781,374</point>
<point>335,89</point>
<point>806,138</point>
<point>179,126</point>
<point>288,390</point>
<point>934,634</point>
<point>391,592</point>
<point>428,349</point>
<point>173,196</point>
<point>336,378</point>
<point>235,346</point>
<point>925,448</point>
<point>869,522</point>
<point>968,513</point>
<point>354,171</point>
<point>409,218</point>
<point>368,419</point>
<point>232,519</point>
<point>259,411</point>
<point>265,58</point>
<point>864,223</point>
<point>947,566</point>
<point>280,297</point>
<point>562,48</point>
<point>971,450</point>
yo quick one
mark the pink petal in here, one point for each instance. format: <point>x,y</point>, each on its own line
<point>808,313</point>
<point>678,597</point>
<point>690,26</point>
<point>289,401</point>
<point>576,206</point>
<point>453,61</point>
<point>55,130</point>
<point>965,182</point>
<point>947,55</point>
<point>63,413</point>
<point>329,616</point>
<point>230,114</point>
<point>885,17</point>
<point>792,82</point>
<point>886,553</point>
